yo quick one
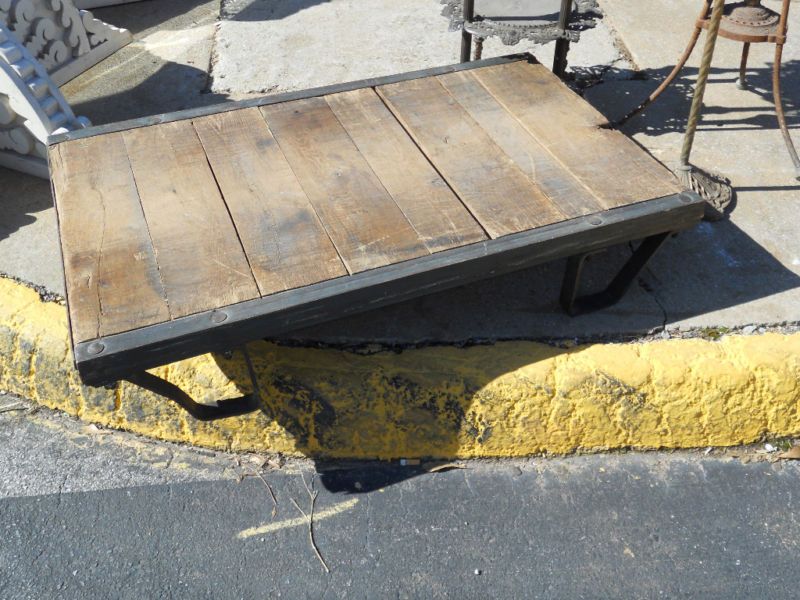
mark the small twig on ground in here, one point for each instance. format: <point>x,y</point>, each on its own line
<point>446,467</point>
<point>13,406</point>
<point>312,494</point>
<point>271,494</point>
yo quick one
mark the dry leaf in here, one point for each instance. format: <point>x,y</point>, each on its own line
<point>791,454</point>
<point>94,429</point>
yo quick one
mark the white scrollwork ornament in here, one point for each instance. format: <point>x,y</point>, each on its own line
<point>31,107</point>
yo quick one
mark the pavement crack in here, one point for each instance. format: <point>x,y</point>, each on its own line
<point>651,291</point>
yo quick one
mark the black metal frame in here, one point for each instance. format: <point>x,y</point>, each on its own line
<point>575,305</point>
<point>115,357</point>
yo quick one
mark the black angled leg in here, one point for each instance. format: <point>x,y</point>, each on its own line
<point>577,305</point>
<point>202,412</point>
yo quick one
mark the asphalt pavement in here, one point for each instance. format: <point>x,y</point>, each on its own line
<point>90,513</point>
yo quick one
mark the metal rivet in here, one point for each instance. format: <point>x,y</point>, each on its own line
<point>595,221</point>
<point>218,317</point>
<point>95,348</point>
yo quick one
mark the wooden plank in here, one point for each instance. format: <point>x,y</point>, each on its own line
<point>284,240</point>
<point>160,344</point>
<point>202,263</point>
<point>428,203</point>
<point>488,182</point>
<point>111,274</point>
<point>572,197</point>
<point>617,170</point>
<point>201,111</point>
<point>367,227</point>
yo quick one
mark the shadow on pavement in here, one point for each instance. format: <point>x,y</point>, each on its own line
<point>171,88</point>
<point>141,16</point>
<point>670,112</point>
<point>21,197</point>
<point>387,404</point>
<point>272,10</point>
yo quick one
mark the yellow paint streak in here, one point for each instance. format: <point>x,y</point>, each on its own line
<point>510,399</point>
<point>296,522</point>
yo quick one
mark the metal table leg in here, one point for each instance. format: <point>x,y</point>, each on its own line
<point>577,305</point>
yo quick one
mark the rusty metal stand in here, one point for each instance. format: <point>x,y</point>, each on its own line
<point>750,23</point>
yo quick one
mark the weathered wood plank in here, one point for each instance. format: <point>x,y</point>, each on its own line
<point>572,197</point>
<point>617,170</point>
<point>435,212</point>
<point>201,260</point>
<point>111,275</point>
<point>488,182</point>
<point>282,236</point>
<point>367,227</point>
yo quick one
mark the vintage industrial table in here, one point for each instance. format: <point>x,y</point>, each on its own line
<point>202,230</point>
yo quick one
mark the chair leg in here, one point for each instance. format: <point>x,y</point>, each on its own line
<point>666,83</point>
<point>468,13</point>
<point>478,48</point>
<point>741,83</point>
<point>560,58</point>
<point>562,43</point>
<point>776,91</point>
<point>466,46</point>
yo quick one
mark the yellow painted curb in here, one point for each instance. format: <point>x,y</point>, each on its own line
<point>509,399</point>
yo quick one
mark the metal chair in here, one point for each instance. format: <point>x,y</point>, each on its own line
<point>539,21</point>
<point>751,23</point>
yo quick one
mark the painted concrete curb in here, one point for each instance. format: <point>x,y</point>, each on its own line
<point>509,399</point>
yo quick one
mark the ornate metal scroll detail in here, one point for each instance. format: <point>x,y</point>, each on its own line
<point>584,17</point>
<point>64,39</point>
<point>31,108</point>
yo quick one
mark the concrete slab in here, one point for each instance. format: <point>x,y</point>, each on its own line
<point>28,243</point>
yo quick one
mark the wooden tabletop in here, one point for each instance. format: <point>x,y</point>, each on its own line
<point>163,221</point>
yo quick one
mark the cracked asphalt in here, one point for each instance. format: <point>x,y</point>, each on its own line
<point>90,513</point>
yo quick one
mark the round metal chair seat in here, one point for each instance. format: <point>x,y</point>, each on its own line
<point>748,22</point>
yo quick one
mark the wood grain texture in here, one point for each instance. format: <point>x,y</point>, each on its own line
<point>570,195</point>
<point>201,260</point>
<point>617,170</point>
<point>367,227</point>
<point>435,212</point>
<point>488,182</point>
<point>111,275</point>
<point>284,240</point>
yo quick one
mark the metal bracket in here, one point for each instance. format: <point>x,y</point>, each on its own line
<point>575,305</point>
<point>221,409</point>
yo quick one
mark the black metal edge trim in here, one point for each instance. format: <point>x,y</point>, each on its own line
<point>197,334</point>
<point>203,111</point>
